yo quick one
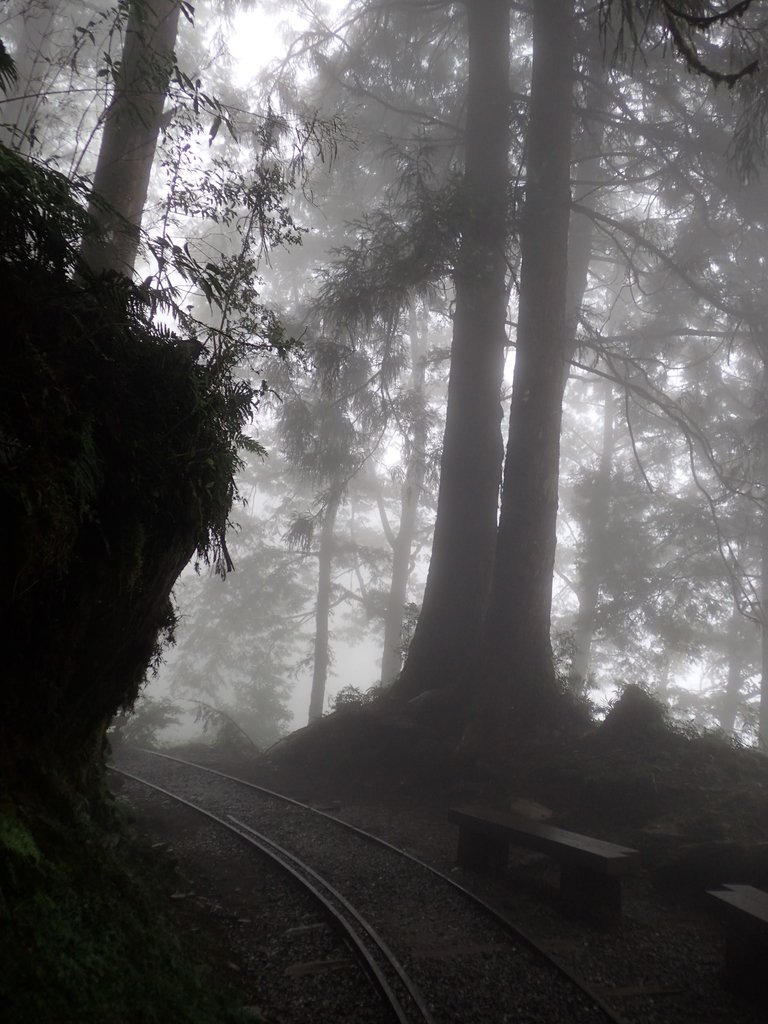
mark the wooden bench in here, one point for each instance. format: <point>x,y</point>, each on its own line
<point>745,913</point>
<point>591,870</point>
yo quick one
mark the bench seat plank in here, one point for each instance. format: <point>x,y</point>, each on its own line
<point>559,843</point>
<point>590,869</point>
<point>745,899</point>
<point>745,913</point>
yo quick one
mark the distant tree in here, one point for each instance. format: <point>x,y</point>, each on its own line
<point>20,111</point>
<point>325,447</point>
<point>642,198</point>
<point>132,124</point>
<point>591,569</point>
<point>240,640</point>
<point>411,497</point>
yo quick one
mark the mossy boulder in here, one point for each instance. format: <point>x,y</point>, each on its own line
<point>118,448</point>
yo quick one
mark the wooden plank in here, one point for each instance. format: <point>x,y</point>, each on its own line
<point>744,899</point>
<point>538,835</point>
<point>745,913</point>
<point>758,896</point>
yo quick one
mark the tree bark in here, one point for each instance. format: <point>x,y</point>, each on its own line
<point>587,171</point>
<point>762,719</point>
<point>131,130</point>
<point>519,671</point>
<point>321,659</point>
<point>447,636</point>
<point>735,654</point>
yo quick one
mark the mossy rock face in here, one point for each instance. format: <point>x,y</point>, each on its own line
<point>103,510</point>
<point>86,933</point>
<point>117,456</point>
<point>118,448</point>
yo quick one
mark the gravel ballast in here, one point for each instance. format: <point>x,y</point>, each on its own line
<point>661,963</point>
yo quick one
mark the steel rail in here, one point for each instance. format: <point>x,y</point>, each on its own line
<point>496,914</point>
<point>300,872</point>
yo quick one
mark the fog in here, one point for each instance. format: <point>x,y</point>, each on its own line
<point>384,167</point>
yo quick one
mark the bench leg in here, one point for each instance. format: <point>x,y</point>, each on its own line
<point>746,955</point>
<point>587,893</point>
<point>485,854</point>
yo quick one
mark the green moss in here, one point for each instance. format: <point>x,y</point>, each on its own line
<point>16,840</point>
<point>83,936</point>
<point>119,443</point>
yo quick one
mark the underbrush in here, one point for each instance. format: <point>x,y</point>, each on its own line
<point>86,931</point>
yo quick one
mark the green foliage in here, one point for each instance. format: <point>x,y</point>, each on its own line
<point>411,614</point>
<point>224,729</point>
<point>119,443</point>
<point>8,75</point>
<point>563,651</point>
<point>44,216</point>
<point>353,697</point>
<point>401,251</point>
<point>247,209</point>
<point>16,840</point>
<point>74,948</point>
<point>140,724</point>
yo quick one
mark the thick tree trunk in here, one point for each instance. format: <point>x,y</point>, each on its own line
<point>447,636</point>
<point>761,344</point>
<point>589,136</point>
<point>580,241</point>
<point>519,671</point>
<point>131,129</point>
<point>762,721</point>
<point>410,496</point>
<point>321,659</point>
<point>733,684</point>
<point>592,567</point>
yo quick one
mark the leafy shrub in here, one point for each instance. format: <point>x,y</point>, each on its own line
<point>353,697</point>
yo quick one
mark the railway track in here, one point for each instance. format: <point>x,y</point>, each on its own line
<point>434,950</point>
<point>378,961</point>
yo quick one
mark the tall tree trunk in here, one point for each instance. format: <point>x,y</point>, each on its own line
<point>321,659</point>
<point>733,684</point>
<point>410,496</point>
<point>587,172</point>
<point>592,567</point>
<point>760,340</point>
<point>20,110</point>
<point>519,669</point>
<point>762,722</point>
<point>447,636</point>
<point>131,130</point>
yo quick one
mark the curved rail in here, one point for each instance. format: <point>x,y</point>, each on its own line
<point>497,915</point>
<point>301,873</point>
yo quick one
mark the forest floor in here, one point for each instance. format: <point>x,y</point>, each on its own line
<point>696,808</point>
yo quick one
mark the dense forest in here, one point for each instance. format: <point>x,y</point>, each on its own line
<point>438,333</point>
